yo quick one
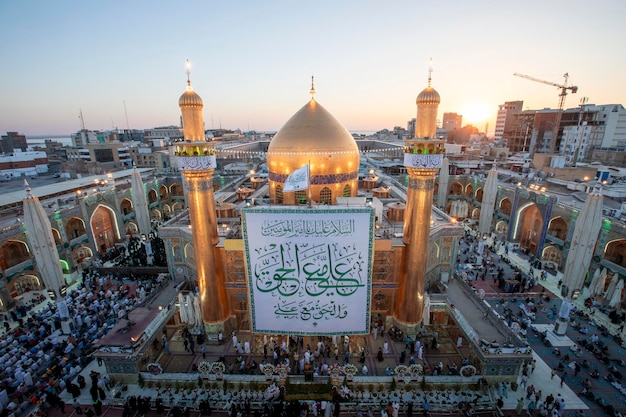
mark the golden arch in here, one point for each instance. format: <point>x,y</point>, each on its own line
<point>469,190</point>
<point>479,195</point>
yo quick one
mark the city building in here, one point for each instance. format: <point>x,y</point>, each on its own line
<point>504,120</point>
<point>23,164</point>
<point>452,121</point>
<point>12,141</point>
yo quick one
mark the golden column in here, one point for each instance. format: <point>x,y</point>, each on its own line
<point>196,159</point>
<point>422,159</point>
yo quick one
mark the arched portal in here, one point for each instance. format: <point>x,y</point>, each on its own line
<point>104,228</point>
<point>23,284</point>
<point>178,206</point>
<point>479,195</point>
<point>456,188</point>
<point>615,251</point>
<point>189,254</point>
<point>80,253</point>
<point>502,227</point>
<point>176,189</point>
<point>126,206</point>
<point>13,252</point>
<point>505,206</point>
<point>57,236</point>
<point>75,227</point>
<point>152,196</point>
<point>553,254</point>
<point>558,228</point>
<point>155,214</point>
<point>469,190</point>
<point>476,213</point>
<point>529,228</point>
<point>163,191</point>
<point>131,228</point>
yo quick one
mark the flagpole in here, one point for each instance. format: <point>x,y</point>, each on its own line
<point>308,180</point>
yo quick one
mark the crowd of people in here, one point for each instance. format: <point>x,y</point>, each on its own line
<point>45,349</point>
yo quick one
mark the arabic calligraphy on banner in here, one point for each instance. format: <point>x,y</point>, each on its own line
<point>309,270</point>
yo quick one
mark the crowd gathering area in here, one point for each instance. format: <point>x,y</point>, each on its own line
<point>48,370</point>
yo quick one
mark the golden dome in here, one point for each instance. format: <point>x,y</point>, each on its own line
<point>190,98</point>
<point>313,136</point>
<point>312,129</point>
<point>428,96</point>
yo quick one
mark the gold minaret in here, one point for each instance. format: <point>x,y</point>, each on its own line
<point>422,159</point>
<point>197,161</point>
<point>427,107</point>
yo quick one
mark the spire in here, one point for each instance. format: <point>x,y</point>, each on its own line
<point>29,194</point>
<point>312,91</point>
<point>188,65</point>
<point>430,71</point>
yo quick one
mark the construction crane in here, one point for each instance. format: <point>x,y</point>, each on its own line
<point>564,88</point>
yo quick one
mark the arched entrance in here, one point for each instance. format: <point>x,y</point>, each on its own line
<point>126,206</point>
<point>553,254</point>
<point>23,284</point>
<point>104,228</point>
<point>81,253</point>
<point>469,190</point>
<point>505,206</point>
<point>529,227</point>
<point>479,195</point>
<point>13,252</point>
<point>176,190</point>
<point>75,227</point>
<point>456,188</point>
<point>558,228</point>
<point>615,252</point>
<point>152,196</point>
<point>502,227</point>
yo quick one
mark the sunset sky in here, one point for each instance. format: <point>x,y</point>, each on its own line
<point>252,61</point>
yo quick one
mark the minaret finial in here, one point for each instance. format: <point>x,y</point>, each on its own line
<point>430,70</point>
<point>188,65</point>
<point>29,194</point>
<point>312,92</point>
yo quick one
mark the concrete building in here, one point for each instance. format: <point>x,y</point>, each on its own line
<point>23,164</point>
<point>452,121</point>
<point>504,120</point>
<point>11,141</point>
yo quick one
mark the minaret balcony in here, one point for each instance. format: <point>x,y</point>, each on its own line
<point>424,153</point>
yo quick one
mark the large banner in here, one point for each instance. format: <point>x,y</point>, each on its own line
<point>309,269</point>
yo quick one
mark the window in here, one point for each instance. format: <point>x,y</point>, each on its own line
<point>326,196</point>
<point>279,194</point>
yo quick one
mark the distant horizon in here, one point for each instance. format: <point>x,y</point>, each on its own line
<point>252,62</point>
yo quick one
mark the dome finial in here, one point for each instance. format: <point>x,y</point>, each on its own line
<point>430,70</point>
<point>188,65</point>
<point>312,91</point>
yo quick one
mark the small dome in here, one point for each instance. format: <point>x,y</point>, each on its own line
<point>190,98</point>
<point>428,96</point>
